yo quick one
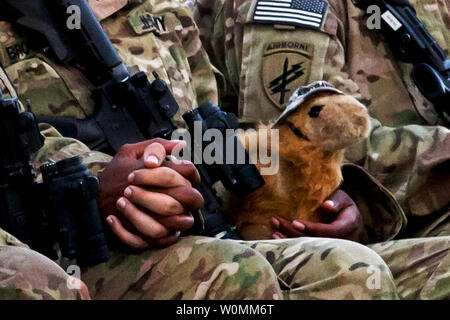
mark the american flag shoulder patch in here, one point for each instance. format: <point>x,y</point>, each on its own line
<point>304,13</point>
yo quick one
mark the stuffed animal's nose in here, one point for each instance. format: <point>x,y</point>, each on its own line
<point>314,112</point>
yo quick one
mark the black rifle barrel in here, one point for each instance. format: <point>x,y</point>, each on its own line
<point>95,40</point>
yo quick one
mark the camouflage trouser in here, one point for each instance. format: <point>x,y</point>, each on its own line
<point>306,268</point>
<point>25,274</point>
<point>207,268</point>
<point>421,267</point>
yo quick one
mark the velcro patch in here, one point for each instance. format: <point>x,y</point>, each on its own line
<point>16,50</point>
<point>303,13</point>
<point>145,22</point>
<point>286,67</point>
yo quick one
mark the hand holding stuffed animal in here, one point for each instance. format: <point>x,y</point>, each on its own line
<point>316,127</point>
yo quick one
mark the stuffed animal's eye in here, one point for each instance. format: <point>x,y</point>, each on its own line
<point>314,112</point>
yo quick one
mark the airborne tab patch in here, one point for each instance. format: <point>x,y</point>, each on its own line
<point>303,13</point>
<point>145,22</point>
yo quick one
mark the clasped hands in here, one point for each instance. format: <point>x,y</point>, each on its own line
<point>147,198</point>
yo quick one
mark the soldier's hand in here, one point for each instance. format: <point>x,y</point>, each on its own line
<point>347,224</point>
<point>156,199</point>
<point>114,179</point>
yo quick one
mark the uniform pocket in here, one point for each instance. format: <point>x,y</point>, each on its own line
<point>49,93</point>
<point>277,59</point>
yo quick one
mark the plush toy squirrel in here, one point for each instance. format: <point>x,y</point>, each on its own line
<point>314,130</point>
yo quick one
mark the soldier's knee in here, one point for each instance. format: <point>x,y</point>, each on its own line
<point>353,252</point>
<point>363,267</point>
<point>240,271</point>
<point>30,275</point>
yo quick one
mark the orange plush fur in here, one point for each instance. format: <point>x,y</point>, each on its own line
<point>309,169</point>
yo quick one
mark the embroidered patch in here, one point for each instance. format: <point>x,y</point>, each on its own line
<point>145,22</point>
<point>15,51</point>
<point>304,13</point>
<point>286,67</point>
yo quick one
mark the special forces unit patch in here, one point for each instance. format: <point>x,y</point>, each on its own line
<point>286,66</point>
<point>303,13</point>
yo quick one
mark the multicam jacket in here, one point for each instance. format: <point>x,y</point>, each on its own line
<point>162,36</point>
<point>263,62</point>
<point>154,35</point>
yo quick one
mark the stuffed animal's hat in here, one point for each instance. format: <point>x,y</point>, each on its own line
<point>303,93</point>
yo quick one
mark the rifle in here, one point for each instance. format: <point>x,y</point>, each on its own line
<point>412,43</point>
<point>20,139</point>
<point>130,108</point>
<point>60,210</point>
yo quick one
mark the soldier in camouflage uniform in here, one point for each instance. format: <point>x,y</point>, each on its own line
<point>161,35</point>
<point>24,273</point>
<point>408,150</point>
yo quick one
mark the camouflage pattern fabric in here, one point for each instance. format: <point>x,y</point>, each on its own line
<point>225,269</point>
<point>305,268</point>
<point>289,269</point>
<point>407,151</point>
<point>26,274</point>
<point>153,35</point>
<point>420,267</point>
<point>57,147</point>
<point>208,268</point>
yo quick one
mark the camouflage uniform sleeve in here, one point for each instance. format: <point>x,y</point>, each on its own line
<point>229,36</point>
<point>202,71</point>
<point>208,14</point>
<point>58,147</point>
<point>221,27</point>
<point>404,152</point>
<point>407,159</point>
<point>411,161</point>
